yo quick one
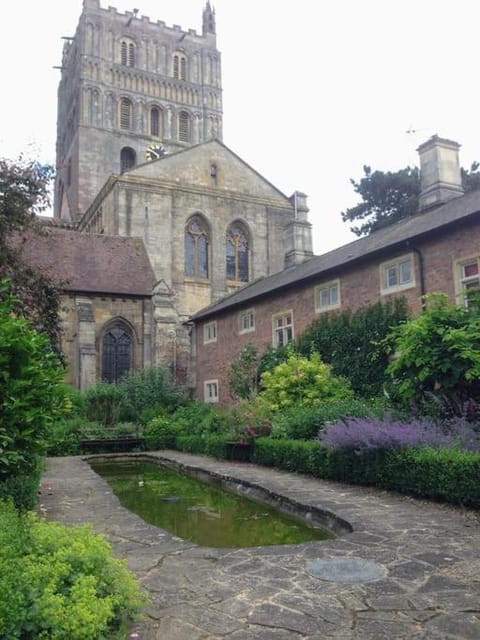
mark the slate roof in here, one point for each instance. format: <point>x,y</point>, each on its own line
<point>92,263</point>
<point>422,225</point>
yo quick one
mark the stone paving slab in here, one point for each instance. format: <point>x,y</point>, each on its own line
<point>430,551</point>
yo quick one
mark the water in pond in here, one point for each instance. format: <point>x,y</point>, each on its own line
<point>200,512</point>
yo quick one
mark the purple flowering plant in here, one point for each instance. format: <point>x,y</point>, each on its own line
<point>363,435</point>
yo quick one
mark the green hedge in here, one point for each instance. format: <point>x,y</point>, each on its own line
<point>208,445</point>
<point>446,474</point>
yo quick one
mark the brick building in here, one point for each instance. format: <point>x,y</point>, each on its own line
<point>437,250</point>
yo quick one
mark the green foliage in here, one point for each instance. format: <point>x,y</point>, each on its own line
<point>199,418</point>
<point>307,457</point>
<point>31,395</point>
<point>274,356</point>
<point>160,433</point>
<point>22,489</point>
<point>102,403</point>
<point>148,392</point>
<point>304,423</point>
<point>24,192</point>
<point>209,445</point>
<point>352,343</point>
<point>437,354</point>
<point>388,197</point>
<point>301,382</point>
<point>243,374</point>
<point>247,420</point>
<point>59,582</point>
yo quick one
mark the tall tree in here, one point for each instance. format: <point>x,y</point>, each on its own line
<point>24,193</point>
<point>388,197</point>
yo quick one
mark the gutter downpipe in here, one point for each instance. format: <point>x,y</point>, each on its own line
<point>419,255</point>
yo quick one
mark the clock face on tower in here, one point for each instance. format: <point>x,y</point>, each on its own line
<point>155,152</point>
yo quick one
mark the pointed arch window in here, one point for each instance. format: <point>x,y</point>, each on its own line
<point>117,351</point>
<point>155,121</point>
<point>125,114</point>
<point>127,159</point>
<point>184,126</point>
<point>196,248</point>
<point>237,257</point>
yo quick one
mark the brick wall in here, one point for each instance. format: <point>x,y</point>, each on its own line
<point>360,285</point>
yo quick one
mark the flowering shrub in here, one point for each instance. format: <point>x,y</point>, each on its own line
<point>61,582</point>
<point>301,382</point>
<point>363,435</point>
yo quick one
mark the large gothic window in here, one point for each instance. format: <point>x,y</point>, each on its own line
<point>184,126</point>
<point>237,253</point>
<point>127,159</point>
<point>196,248</point>
<point>116,352</point>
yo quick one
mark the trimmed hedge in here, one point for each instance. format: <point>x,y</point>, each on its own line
<point>209,445</point>
<point>445,474</point>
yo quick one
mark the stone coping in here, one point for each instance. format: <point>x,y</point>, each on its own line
<point>429,589</point>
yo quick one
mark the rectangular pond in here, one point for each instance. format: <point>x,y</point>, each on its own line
<point>198,511</point>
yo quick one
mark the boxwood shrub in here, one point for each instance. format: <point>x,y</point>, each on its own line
<point>441,473</point>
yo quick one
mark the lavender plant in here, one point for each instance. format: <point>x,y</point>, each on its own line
<point>363,435</point>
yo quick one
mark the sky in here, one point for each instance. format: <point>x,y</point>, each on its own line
<point>312,90</point>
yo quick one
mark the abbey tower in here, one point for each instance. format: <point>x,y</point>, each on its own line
<point>127,84</point>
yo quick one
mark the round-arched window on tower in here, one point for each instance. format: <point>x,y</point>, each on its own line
<point>127,159</point>
<point>116,352</point>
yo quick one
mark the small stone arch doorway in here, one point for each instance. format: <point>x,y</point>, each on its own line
<point>117,351</point>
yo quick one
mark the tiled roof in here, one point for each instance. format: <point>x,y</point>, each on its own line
<point>423,224</point>
<point>91,263</point>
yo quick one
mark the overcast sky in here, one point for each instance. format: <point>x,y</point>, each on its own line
<point>312,90</point>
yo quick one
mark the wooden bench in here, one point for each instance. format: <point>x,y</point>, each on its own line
<point>111,445</point>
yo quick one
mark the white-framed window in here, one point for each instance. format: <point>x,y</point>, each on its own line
<point>210,332</point>
<point>327,296</point>
<point>398,274</point>
<point>282,328</point>
<point>246,321</point>
<point>210,391</point>
<point>467,279</point>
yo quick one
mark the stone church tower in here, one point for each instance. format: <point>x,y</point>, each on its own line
<point>141,157</point>
<point>127,84</point>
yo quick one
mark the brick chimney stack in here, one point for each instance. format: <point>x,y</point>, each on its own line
<point>440,176</point>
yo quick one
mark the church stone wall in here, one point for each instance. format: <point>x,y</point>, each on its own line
<point>84,318</point>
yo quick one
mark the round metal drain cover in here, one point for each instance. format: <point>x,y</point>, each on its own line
<point>345,569</point>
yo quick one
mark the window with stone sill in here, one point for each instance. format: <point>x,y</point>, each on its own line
<point>210,332</point>
<point>210,391</point>
<point>468,281</point>
<point>282,328</point>
<point>246,321</point>
<point>327,296</point>
<point>397,275</point>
